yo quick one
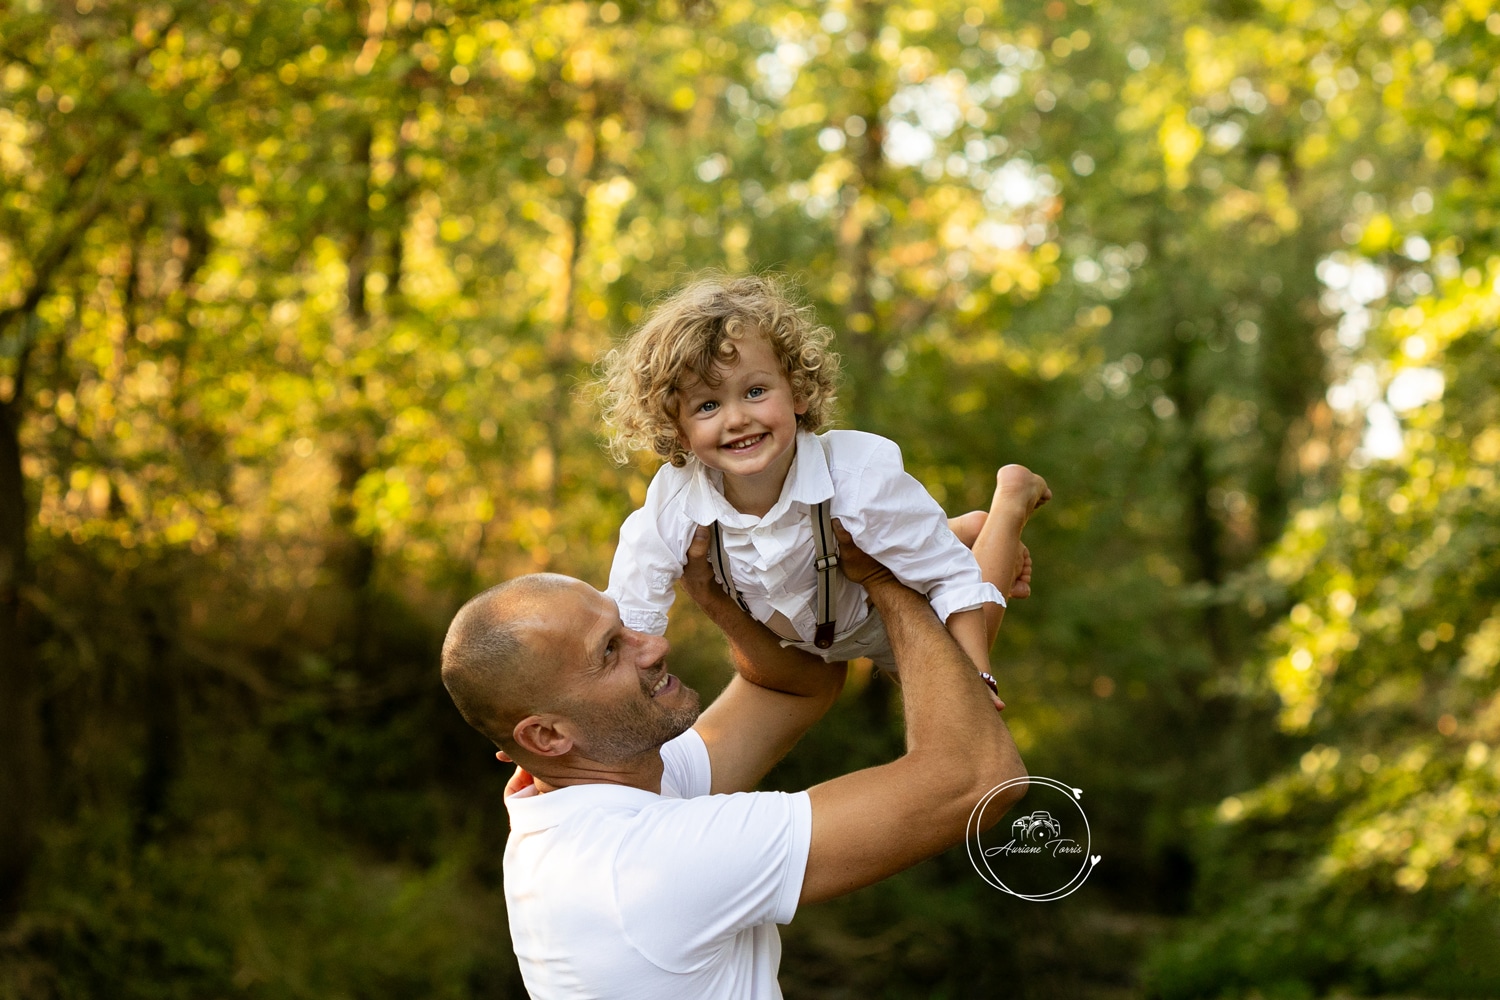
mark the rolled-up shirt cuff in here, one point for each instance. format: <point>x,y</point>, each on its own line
<point>951,600</point>
<point>644,620</point>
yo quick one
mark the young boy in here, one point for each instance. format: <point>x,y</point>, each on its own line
<point>729,382</point>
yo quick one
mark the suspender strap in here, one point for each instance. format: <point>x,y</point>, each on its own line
<point>826,563</point>
<point>720,562</point>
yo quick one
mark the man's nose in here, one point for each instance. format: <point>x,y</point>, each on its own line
<point>649,649</point>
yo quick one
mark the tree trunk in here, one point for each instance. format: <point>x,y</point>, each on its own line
<point>21,759</point>
<point>562,357</point>
<point>162,711</point>
<point>856,234</point>
<point>351,555</point>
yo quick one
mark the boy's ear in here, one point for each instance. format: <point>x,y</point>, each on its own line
<point>800,406</point>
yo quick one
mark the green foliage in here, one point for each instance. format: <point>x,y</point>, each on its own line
<point>295,301</point>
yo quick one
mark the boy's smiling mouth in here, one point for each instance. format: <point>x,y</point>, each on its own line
<point>745,444</point>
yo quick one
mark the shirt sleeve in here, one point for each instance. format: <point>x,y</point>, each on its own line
<point>693,873</point>
<point>895,520</point>
<point>686,770</point>
<point>647,564</point>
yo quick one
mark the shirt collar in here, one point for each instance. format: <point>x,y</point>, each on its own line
<point>530,812</point>
<point>808,481</point>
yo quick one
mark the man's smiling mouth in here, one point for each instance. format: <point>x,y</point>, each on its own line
<point>661,685</point>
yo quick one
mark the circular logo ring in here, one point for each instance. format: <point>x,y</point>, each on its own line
<point>982,863</point>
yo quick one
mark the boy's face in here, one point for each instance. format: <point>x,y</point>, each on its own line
<point>746,425</point>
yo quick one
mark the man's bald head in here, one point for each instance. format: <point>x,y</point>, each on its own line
<point>489,670</point>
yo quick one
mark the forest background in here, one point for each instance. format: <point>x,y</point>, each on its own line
<point>296,301</point>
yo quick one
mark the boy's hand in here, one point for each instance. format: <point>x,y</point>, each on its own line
<point>521,779</point>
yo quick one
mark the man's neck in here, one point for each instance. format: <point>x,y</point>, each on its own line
<point>643,772</point>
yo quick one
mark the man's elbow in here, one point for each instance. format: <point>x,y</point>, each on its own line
<point>1006,779</point>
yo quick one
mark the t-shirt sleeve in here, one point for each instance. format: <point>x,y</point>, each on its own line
<point>693,873</point>
<point>896,521</point>
<point>686,771</point>
<point>647,564</point>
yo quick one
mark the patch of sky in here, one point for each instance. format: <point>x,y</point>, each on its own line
<point>1350,284</point>
<point>778,68</point>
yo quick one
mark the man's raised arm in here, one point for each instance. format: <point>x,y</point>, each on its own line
<point>775,696</point>
<point>873,823</point>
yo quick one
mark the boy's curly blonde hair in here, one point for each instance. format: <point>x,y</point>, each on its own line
<point>692,331</point>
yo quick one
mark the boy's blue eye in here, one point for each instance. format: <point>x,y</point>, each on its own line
<point>756,392</point>
<point>708,407</point>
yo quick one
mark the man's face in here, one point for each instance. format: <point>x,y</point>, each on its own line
<point>611,681</point>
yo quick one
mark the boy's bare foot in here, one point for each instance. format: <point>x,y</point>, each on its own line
<point>967,526</point>
<point>1019,491</point>
<point>1022,587</point>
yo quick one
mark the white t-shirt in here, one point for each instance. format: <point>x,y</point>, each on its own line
<point>614,892</point>
<point>889,514</point>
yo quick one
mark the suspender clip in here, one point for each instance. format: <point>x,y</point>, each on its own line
<point>826,562</point>
<point>823,637</point>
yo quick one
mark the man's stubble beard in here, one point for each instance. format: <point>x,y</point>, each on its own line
<point>617,738</point>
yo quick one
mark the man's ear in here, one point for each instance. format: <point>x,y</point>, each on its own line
<point>543,735</point>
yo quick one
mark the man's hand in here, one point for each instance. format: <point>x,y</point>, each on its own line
<point>858,567</point>
<point>697,575</point>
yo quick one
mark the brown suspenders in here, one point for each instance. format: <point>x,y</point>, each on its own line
<point>825,561</point>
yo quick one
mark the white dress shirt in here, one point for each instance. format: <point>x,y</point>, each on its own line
<point>889,514</point>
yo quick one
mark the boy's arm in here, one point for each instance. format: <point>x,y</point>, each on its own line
<point>775,696</point>
<point>967,629</point>
<point>894,520</point>
<point>642,575</point>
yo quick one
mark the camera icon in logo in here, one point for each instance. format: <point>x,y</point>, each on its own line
<point>1039,827</point>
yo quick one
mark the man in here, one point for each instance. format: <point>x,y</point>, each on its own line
<point>629,871</point>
